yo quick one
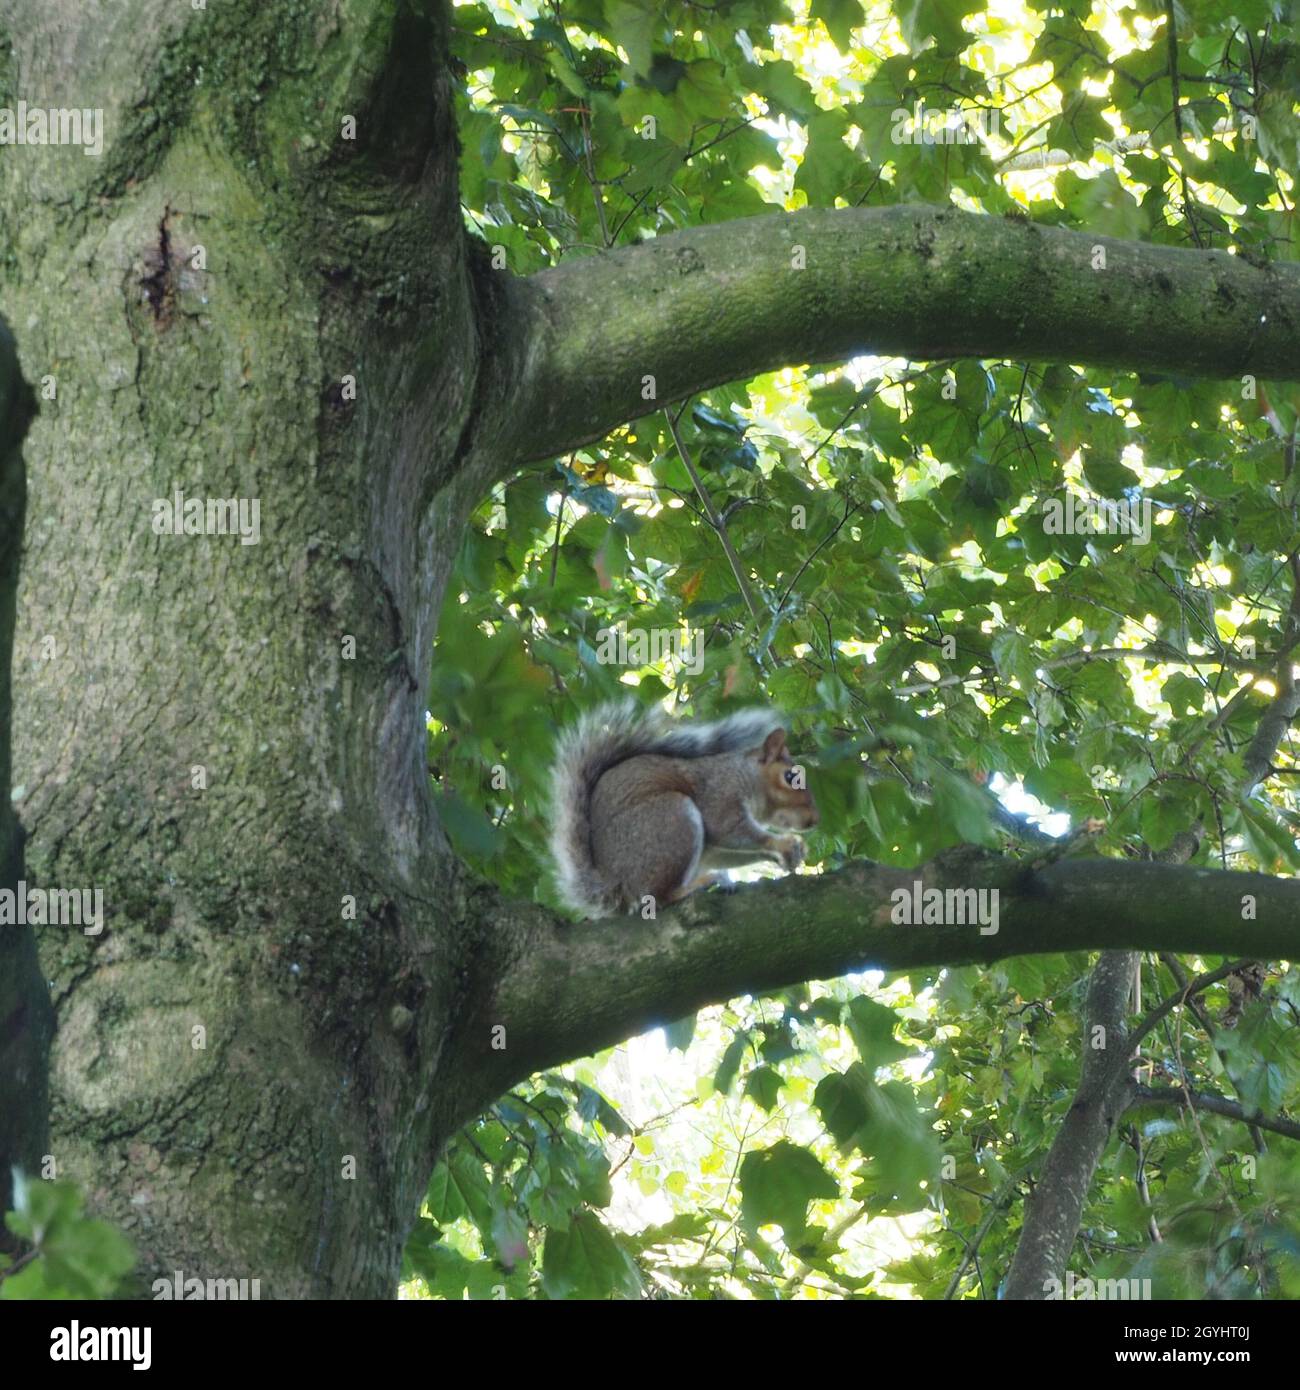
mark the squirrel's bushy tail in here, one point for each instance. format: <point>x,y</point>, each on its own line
<point>602,738</point>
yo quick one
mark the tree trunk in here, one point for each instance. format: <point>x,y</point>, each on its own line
<point>248,1079</point>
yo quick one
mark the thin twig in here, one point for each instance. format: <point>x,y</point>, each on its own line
<point>1211,977</point>
<point>715,520</point>
<point>559,518</point>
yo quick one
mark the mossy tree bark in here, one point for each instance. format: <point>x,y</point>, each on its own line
<point>192,733</point>
<point>227,739</point>
<point>725,301</point>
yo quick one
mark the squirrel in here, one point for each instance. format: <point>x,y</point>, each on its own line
<point>645,807</point>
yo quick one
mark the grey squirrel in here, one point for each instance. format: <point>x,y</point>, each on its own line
<point>643,806</point>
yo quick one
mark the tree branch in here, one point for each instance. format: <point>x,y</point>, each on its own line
<point>569,990</point>
<point>722,302</point>
<point>718,524</point>
<point>1217,1105</point>
<point>1183,995</point>
<point>1055,1208</point>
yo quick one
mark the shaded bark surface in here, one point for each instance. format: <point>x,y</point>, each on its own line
<point>26,1019</point>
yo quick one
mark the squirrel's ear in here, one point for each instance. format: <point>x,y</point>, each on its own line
<point>773,747</point>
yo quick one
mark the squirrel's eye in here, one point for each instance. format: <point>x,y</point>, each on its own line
<point>789,777</point>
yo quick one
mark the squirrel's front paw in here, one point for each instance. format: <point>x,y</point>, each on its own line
<point>790,848</point>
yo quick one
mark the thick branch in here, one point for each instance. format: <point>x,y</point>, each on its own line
<point>722,302</point>
<point>1054,1210</point>
<point>1216,1105</point>
<point>570,990</point>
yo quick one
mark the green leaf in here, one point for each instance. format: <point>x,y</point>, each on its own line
<point>763,1086</point>
<point>938,19</point>
<point>840,17</point>
<point>586,1262</point>
<point>678,1035</point>
<point>730,1064</point>
<point>829,166</point>
<point>593,1106</point>
<point>443,1197</point>
<point>76,1256</point>
<point>471,832</point>
<point>871,1026</point>
<point>461,1188</point>
<point>1015,658</point>
<point>632,26</point>
<point>777,1184</point>
<point>844,1103</point>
